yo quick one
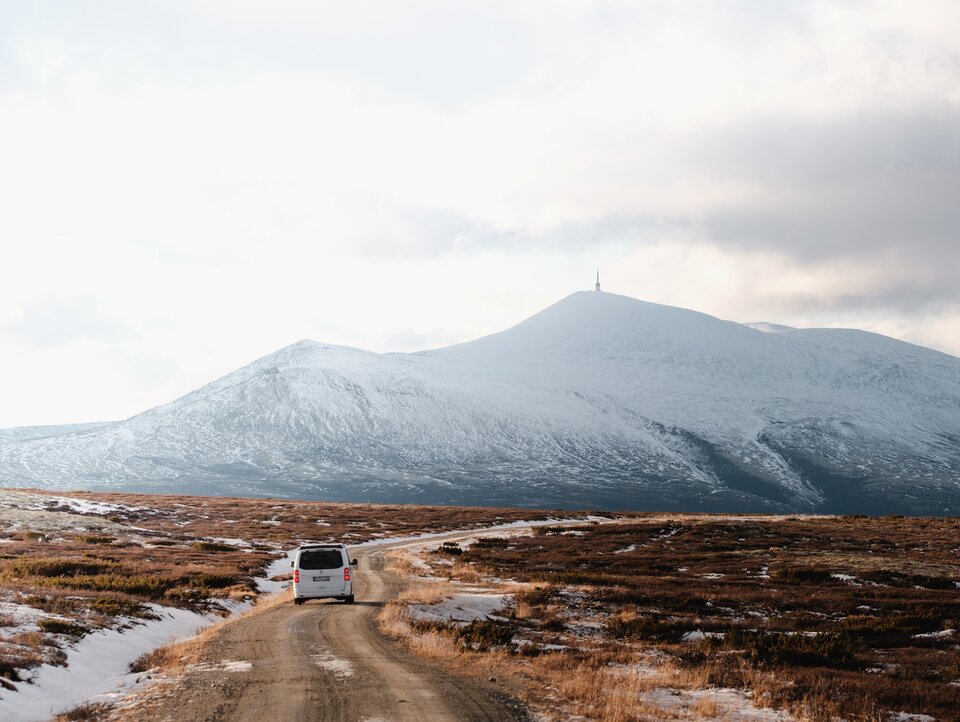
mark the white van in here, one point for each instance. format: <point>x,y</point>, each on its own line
<point>321,571</point>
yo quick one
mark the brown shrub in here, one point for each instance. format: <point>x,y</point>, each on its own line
<point>162,658</point>
<point>60,626</point>
<point>89,712</point>
<point>94,539</point>
<point>832,650</point>
<point>790,626</point>
<point>208,546</point>
<point>482,635</point>
<point>58,567</point>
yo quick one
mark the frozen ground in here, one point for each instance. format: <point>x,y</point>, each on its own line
<point>729,705</point>
<point>29,512</point>
<point>340,668</point>
<point>462,608</point>
<point>97,665</point>
<point>466,603</point>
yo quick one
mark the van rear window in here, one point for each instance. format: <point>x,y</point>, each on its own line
<point>321,559</point>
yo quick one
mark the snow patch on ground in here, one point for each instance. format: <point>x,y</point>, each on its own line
<point>97,666</point>
<point>699,635</point>
<point>339,668</point>
<point>24,618</point>
<point>509,526</point>
<point>732,705</point>
<point>417,563</point>
<point>85,506</point>
<point>626,550</point>
<point>231,542</point>
<point>942,634</point>
<point>43,502</point>
<point>15,518</point>
<point>276,568</point>
<point>461,608</point>
<point>225,666</point>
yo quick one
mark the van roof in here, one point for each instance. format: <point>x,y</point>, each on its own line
<point>322,546</point>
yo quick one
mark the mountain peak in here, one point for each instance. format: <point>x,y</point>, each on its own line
<point>598,400</point>
<point>591,321</point>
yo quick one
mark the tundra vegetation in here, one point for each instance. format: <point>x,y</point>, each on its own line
<point>815,618</point>
<point>72,563</point>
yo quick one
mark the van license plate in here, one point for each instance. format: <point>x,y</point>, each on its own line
<point>321,579</point>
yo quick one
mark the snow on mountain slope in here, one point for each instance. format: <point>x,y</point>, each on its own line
<point>22,433</point>
<point>599,400</point>
<point>769,327</point>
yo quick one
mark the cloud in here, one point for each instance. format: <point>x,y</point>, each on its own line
<point>849,186</point>
<point>398,177</point>
<point>59,321</point>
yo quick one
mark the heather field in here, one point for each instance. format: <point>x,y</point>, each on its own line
<point>702,617</point>
<point>625,617</point>
<point>72,564</point>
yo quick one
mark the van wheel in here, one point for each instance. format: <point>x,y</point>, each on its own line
<point>298,602</point>
<point>349,600</point>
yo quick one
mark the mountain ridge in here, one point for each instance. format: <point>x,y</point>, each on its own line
<point>598,400</point>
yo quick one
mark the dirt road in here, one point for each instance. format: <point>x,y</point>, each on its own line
<point>322,661</point>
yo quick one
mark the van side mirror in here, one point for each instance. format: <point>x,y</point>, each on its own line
<point>353,562</point>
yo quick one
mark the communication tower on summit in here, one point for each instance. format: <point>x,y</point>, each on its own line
<point>597,287</point>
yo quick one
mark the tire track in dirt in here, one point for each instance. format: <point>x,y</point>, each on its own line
<point>323,660</point>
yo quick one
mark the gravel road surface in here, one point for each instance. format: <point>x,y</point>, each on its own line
<point>324,660</point>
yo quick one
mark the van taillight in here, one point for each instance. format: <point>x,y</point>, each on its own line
<point>296,576</point>
<point>346,574</point>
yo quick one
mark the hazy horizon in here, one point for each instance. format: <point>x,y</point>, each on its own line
<point>241,363</point>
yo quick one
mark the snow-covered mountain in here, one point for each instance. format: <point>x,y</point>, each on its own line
<point>600,401</point>
<point>22,433</point>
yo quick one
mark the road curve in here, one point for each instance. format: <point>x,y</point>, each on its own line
<point>324,660</point>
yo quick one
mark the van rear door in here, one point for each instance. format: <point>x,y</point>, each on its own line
<point>321,572</point>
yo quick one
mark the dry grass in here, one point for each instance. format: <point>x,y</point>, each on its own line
<point>77,576</point>
<point>173,658</point>
<point>401,564</point>
<point>284,521</point>
<point>162,658</point>
<point>594,685</point>
<point>394,619</point>
<point>425,593</point>
<point>23,651</point>
<point>176,551</point>
<point>826,617</point>
<point>90,712</point>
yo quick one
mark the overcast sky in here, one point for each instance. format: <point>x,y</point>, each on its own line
<point>186,186</point>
